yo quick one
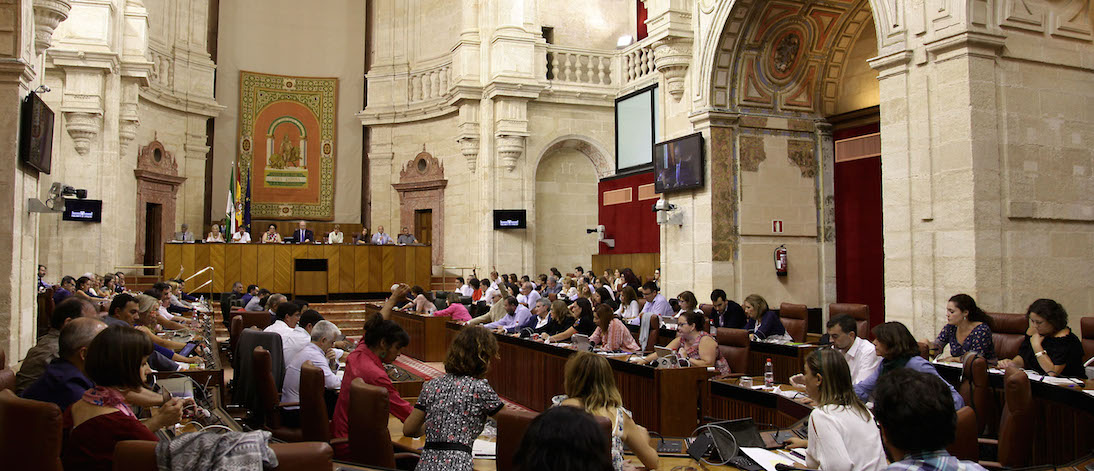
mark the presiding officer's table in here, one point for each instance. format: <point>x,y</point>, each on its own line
<point>349,268</point>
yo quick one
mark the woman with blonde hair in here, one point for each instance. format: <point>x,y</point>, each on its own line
<point>590,386</point>
<point>568,289</point>
<point>559,319</point>
<point>763,323</point>
<point>842,433</point>
<point>452,410</point>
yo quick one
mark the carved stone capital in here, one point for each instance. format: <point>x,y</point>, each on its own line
<point>47,15</point>
<point>509,149</point>
<point>127,130</point>
<point>83,127</point>
<point>671,57</point>
<point>469,147</point>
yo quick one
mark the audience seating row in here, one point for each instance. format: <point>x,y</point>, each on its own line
<point>795,317</point>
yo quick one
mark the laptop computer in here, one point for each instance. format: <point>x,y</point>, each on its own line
<point>582,343</point>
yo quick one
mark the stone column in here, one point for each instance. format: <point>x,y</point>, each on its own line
<point>826,220</point>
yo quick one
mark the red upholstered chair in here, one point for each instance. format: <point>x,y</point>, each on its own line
<point>654,337</point>
<point>1007,331</point>
<point>30,433</point>
<point>369,438</point>
<point>7,375</point>
<point>269,398</point>
<point>45,309</point>
<point>140,455</point>
<point>965,445</point>
<point>924,350</point>
<point>235,328</point>
<point>1016,427</point>
<point>314,421</point>
<point>794,318</point>
<point>260,319</point>
<point>707,309</point>
<point>511,427</point>
<point>1086,324</point>
<point>861,314</point>
<point>3,359</point>
<point>978,394</point>
<point>734,346</point>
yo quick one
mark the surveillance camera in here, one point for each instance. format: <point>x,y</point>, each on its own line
<point>70,191</point>
<point>662,205</point>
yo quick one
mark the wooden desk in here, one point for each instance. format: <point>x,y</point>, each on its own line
<point>350,268</point>
<point>730,401</point>
<point>212,376</point>
<point>1064,429</point>
<point>428,341</point>
<point>531,373</point>
<point>788,360</point>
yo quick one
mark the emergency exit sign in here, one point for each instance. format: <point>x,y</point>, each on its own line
<point>776,226</point>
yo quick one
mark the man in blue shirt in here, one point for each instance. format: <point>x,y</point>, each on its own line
<point>655,302</point>
<point>64,381</point>
<point>916,415</point>
<point>517,315</point>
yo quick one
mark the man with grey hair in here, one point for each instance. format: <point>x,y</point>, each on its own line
<point>271,305</point>
<point>528,295</point>
<point>552,286</point>
<point>47,349</point>
<point>318,353</point>
<point>64,381</point>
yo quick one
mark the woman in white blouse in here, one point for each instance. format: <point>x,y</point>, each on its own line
<point>215,235</point>
<point>842,433</point>
<point>568,289</point>
<point>628,304</point>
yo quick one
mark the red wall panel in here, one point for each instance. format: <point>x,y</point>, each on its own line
<point>860,255</point>
<point>633,225</point>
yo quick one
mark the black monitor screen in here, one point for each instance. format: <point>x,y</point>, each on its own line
<point>678,164</point>
<point>83,210</point>
<point>510,219</point>
<point>36,134</point>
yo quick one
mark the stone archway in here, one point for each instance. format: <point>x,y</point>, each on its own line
<point>565,206</point>
<point>421,187</point>
<point>602,160</point>
<point>157,183</point>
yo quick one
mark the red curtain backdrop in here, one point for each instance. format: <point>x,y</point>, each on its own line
<point>642,15</point>
<point>633,225</point>
<point>860,256</point>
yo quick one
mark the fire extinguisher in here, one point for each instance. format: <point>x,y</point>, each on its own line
<point>780,261</point>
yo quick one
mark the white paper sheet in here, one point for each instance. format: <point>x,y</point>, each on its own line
<point>765,458</point>
<point>483,449</point>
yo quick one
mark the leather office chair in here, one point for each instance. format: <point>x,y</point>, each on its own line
<point>1015,443</point>
<point>260,319</point>
<point>707,309</point>
<point>965,445</point>
<point>511,427</point>
<point>654,337</point>
<point>978,394</point>
<point>139,455</point>
<point>314,421</point>
<point>30,433</point>
<point>734,346</point>
<point>7,375</point>
<point>794,318</point>
<point>235,327</point>
<point>924,350</point>
<point>1008,331</point>
<point>1086,325</point>
<point>269,399</point>
<point>3,359</point>
<point>861,314</point>
<point>369,438</point>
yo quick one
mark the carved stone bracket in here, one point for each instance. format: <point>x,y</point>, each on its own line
<point>510,147</point>
<point>47,15</point>
<point>469,147</point>
<point>83,127</point>
<point>671,56</point>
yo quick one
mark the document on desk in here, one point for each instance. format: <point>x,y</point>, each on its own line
<point>484,450</point>
<point>767,459</point>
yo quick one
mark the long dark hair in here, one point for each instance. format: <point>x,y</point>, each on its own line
<point>115,356</point>
<point>895,336</point>
<point>564,438</point>
<point>378,330</point>
<point>964,302</point>
<point>585,308</point>
<point>630,278</point>
<point>606,297</point>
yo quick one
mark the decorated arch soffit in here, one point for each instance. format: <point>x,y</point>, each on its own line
<point>602,161</point>
<point>787,57</point>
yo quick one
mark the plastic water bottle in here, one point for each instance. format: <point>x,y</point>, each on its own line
<point>769,374</point>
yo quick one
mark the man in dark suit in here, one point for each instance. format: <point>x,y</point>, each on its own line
<point>304,235</point>
<point>685,173</point>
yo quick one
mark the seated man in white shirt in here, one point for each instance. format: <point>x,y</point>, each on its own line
<point>528,295</point>
<point>293,337</point>
<point>241,236</point>
<point>320,352</point>
<point>861,357</point>
<point>488,290</point>
<point>464,289</point>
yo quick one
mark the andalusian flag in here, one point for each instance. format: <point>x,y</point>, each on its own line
<point>230,213</point>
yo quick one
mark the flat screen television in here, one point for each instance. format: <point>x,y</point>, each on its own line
<point>83,210</point>
<point>510,219</point>
<point>678,164</point>
<point>36,134</point>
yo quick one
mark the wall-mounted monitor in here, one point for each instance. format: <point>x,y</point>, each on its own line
<point>36,134</point>
<point>635,130</point>
<point>510,219</point>
<point>678,164</point>
<point>83,210</point>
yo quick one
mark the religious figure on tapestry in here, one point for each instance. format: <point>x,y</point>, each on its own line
<point>287,127</point>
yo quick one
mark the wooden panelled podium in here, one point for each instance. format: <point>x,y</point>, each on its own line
<point>349,268</point>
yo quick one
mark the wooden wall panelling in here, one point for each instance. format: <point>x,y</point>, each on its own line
<point>188,253</point>
<point>425,270</point>
<point>248,265</point>
<point>233,255</point>
<point>202,260</point>
<point>362,269</point>
<point>643,264</point>
<point>375,272</point>
<point>283,270</point>
<point>216,260</point>
<point>334,284</point>
<point>172,260</point>
<point>398,268</point>
<point>347,279</point>
<point>266,266</point>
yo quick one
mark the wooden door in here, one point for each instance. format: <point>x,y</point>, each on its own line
<point>423,225</point>
<point>153,234</point>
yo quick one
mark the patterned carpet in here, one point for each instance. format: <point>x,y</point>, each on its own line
<point>427,372</point>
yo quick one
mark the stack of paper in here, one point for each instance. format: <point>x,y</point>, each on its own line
<point>483,449</point>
